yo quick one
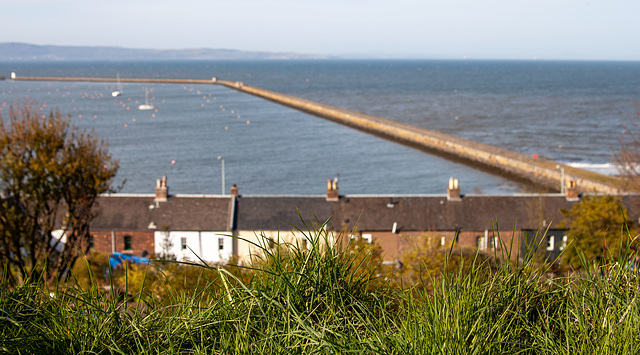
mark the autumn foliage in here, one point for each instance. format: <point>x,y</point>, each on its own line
<point>50,176</point>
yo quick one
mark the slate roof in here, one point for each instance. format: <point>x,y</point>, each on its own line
<point>280,212</point>
<point>118,212</point>
<point>186,213</point>
<point>433,213</point>
<point>372,213</point>
<point>191,213</point>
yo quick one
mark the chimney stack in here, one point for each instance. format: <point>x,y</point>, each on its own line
<point>333,192</point>
<point>453,191</point>
<point>162,191</point>
<point>234,190</point>
<point>571,192</point>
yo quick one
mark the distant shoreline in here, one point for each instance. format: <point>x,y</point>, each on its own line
<point>12,51</point>
<point>31,52</point>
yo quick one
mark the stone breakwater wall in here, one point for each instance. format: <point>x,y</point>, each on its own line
<point>538,170</point>
<point>114,80</point>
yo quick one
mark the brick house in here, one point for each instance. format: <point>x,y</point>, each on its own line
<point>155,224</point>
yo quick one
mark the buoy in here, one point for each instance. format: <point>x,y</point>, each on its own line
<point>173,162</point>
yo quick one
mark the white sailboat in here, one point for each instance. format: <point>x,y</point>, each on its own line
<point>146,105</point>
<point>118,91</point>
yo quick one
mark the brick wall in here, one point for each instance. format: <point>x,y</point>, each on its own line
<point>140,241</point>
<point>393,245</point>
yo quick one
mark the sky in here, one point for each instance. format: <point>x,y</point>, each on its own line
<point>430,29</point>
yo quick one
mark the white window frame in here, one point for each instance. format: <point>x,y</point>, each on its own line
<point>551,243</point>
<point>564,242</point>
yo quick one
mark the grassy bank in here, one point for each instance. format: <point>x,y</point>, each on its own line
<point>328,299</point>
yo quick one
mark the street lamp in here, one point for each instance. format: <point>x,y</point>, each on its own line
<point>562,181</point>
<point>222,161</point>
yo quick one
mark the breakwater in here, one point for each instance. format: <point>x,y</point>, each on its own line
<point>113,80</point>
<point>541,171</point>
<point>537,170</point>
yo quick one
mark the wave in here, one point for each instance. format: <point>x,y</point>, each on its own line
<point>602,168</point>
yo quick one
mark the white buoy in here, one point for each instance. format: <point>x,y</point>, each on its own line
<point>13,75</point>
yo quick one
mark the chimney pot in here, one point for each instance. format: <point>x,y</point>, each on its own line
<point>162,191</point>
<point>333,192</point>
<point>453,192</point>
<point>571,192</point>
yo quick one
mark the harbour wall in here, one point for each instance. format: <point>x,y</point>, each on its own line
<point>539,171</point>
<point>113,80</point>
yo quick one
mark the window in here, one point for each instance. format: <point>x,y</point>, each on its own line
<point>367,238</point>
<point>90,242</point>
<point>220,243</point>
<point>564,242</point>
<point>127,242</point>
<point>481,242</point>
<point>183,243</point>
<point>443,241</point>
<point>550,243</point>
<point>495,243</point>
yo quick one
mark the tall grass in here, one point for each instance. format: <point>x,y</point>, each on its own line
<point>330,299</point>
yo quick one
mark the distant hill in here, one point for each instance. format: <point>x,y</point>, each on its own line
<point>25,51</point>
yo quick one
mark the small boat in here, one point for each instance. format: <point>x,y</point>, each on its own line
<point>118,91</point>
<point>146,105</point>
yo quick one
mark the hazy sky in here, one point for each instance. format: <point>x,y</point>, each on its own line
<point>483,29</point>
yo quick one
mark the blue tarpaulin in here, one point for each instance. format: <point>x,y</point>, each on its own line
<point>117,259</point>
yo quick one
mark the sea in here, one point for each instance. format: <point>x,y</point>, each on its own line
<point>205,138</point>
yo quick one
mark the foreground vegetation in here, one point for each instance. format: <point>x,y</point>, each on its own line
<point>329,300</point>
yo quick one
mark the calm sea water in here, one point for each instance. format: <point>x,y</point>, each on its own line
<point>568,111</point>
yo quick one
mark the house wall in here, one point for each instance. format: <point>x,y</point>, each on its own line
<point>208,246</point>
<point>141,241</point>
<point>393,245</point>
<point>550,243</point>
<point>245,249</point>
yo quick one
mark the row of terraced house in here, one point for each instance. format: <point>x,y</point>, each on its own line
<point>216,227</point>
